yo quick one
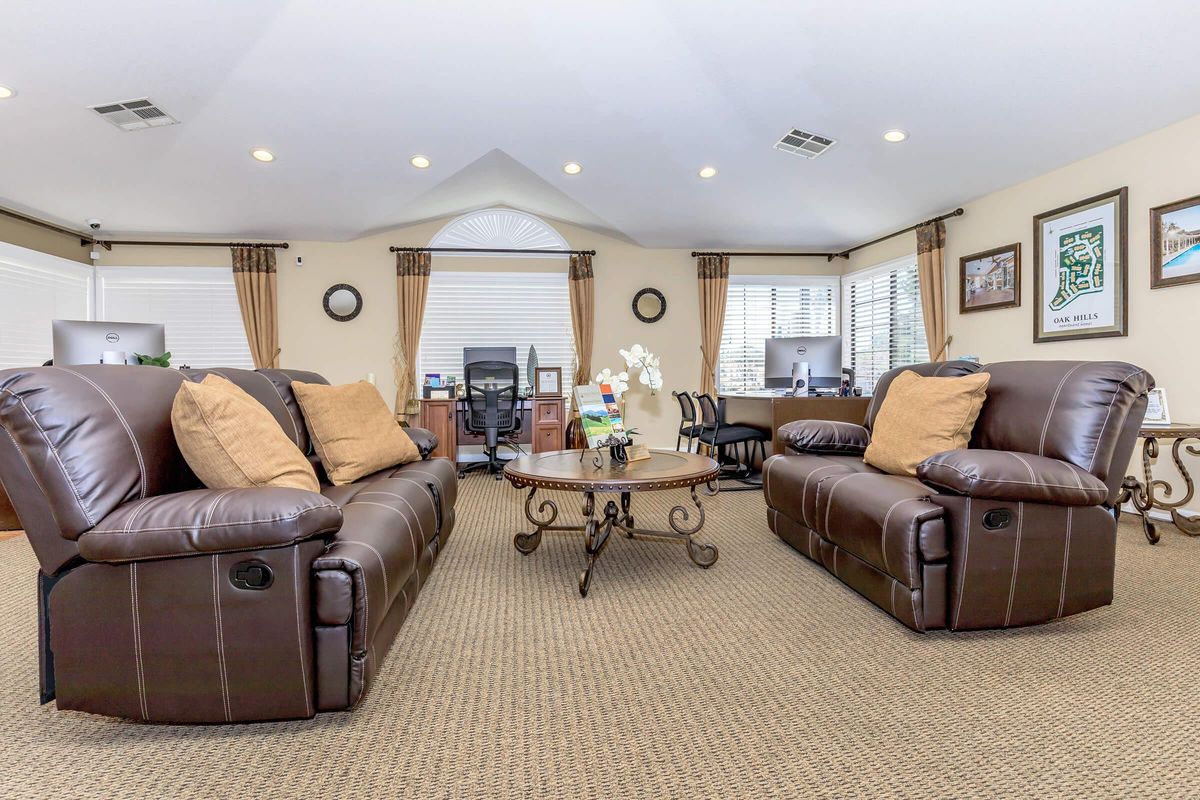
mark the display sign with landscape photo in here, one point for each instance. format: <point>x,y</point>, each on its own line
<point>991,279</point>
<point>1175,249</point>
<point>1079,270</point>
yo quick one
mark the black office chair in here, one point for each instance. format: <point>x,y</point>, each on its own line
<point>491,410</point>
<point>689,427</point>
<point>720,437</point>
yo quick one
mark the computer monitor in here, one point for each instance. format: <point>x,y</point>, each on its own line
<point>822,353</point>
<point>83,342</point>
<point>473,354</point>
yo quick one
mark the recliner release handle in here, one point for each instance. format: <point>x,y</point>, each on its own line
<point>996,519</point>
<point>253,575</point>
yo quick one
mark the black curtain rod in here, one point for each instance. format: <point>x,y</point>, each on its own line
<point>43,224</point>
<point>958,212</point>
<point>489,250</point>
<point>126,243</point>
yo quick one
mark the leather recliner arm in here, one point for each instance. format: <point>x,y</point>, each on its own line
<point>209,521</point>
<point>1008,475</point>
<point>825,437</point>
<point>425,440</point>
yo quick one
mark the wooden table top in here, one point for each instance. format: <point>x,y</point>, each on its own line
<point>562,469</point>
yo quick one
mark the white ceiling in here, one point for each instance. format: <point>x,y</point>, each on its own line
<point>641,92</point>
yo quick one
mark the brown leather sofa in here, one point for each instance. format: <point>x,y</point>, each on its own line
<point>1019,528</point>
<point>164,601</point>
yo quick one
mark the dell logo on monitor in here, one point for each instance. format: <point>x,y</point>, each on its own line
<point>112,338</point>
<point>801,350</point>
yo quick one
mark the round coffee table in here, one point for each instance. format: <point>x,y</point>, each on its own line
<point>589,473</point>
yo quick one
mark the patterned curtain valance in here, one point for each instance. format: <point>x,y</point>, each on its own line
<point>711,267</point>
<point>253,259</point>
<point>580,268</point>
<point>413,263</point>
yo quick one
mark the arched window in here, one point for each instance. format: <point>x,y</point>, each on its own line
<point>502,228</point>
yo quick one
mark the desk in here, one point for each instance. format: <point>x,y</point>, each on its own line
<point>767,411</point>
<point>543,421</point>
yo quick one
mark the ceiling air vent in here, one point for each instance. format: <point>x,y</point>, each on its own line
<point>134,115</point>
<point>803,143</point>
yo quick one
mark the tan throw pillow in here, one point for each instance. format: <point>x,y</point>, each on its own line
<point>231,441</point>
<point>921,417</point>
<point>354,432</point>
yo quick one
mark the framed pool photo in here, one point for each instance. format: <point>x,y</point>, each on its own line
<point>1080,269</point>
<point>1175,243</point>
<point>991,279</point>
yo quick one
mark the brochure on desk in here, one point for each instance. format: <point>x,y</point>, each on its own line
<point>599,413</point>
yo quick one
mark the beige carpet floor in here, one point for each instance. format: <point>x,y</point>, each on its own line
<point>762,677</point>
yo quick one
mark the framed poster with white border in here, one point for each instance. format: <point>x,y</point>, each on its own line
<point>1080,269</point>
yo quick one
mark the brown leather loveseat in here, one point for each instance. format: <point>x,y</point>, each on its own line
<point>164,601</point>
<point>1018,528</point>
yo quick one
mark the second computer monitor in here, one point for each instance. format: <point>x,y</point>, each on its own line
<point>473,354</point>
<point>823,354</point>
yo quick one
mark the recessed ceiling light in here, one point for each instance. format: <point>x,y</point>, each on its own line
<point>707,172</point>
<point>262,154</point>
<point>420,162</point>
<point>895,135</point>
<point>572,168</point>
<point>6,92</point>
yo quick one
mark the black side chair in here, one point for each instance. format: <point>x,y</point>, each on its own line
<point>491,410</point>
<point>720,438</point>
<point>689,428</point>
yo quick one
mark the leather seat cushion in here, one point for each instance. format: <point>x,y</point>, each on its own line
<point>887,521</point>
<point>790,481</point>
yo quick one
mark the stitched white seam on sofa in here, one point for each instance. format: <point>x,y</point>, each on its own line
<point>1108,414</point>
<point>975,479</point>
<point>412,537</point>
<point>804,493</point>
<point>299,629</point>
<point>230,523</point>
<point>441,488</point>
<point>962,580</point>
<point>1062,587</point>
<point>832,489</point>
<point>1050,411</point>
<point>1028,467</point>
<point>137,641</point>
<point>883,534</point>
<point>766,481</point>
<point>54,452</point>
<point>420,527</point>
<point>220,640</point>
<point>137,449</point>
<point>382,564</point>
<point>1012,587</point>
<point>150,556</point>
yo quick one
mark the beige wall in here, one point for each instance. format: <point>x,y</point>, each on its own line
<point>348,351</point>
<point>1163,323</point>
<point>42,239</point>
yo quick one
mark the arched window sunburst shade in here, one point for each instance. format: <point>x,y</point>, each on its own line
<point>502,228</point>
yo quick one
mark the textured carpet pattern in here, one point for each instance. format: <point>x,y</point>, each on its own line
<point>761,677</point>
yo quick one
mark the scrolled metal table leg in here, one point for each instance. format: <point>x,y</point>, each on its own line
<point>526,543</point>
<point>703,555</point>
<point>596,533</point>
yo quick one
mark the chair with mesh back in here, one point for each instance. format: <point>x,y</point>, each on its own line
<point>689,426</point>
<point>491,409</point>
<point>721,438</point>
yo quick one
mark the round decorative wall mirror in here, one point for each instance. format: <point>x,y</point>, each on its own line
<point>649,305</point>
<point>343,302</point>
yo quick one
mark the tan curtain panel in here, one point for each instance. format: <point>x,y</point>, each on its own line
<point>412,285</point>
<point>713,273</point>
<point>583,315</point>
<point>931,272</point>
<point>254,278</point>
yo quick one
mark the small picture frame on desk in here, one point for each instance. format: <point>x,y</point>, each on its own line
<point>1157,412</point>
<point>437,393</point>
<point>547,382</point>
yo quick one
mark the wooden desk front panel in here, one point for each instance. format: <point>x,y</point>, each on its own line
<point>542,425</point>
<point>438,416</point>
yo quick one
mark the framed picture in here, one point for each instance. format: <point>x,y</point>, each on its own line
<point>1175,243</point>
<point>1157,412</point>
<point>991,279</point>
<point>1080,269</point>
<point>547,382</point>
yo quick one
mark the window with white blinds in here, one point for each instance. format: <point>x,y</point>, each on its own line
<point>198,305</point>
<point>761,307</point>
<point>884,326</point>
<point>497,309</point>
<point>36,288</point>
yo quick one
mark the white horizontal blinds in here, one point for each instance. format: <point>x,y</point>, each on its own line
<point>884,327</point>
<point>198,305</point>
<point>36,288</point>
<point>497,309</point>
<point>766,307</point>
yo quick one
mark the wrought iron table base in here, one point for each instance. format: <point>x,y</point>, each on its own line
<point>596,532</point>
<point>1143,494</point>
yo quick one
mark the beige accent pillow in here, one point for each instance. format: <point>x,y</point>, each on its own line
<point>921,417</point>
<point>231,441</point>
<point>354,432</point>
